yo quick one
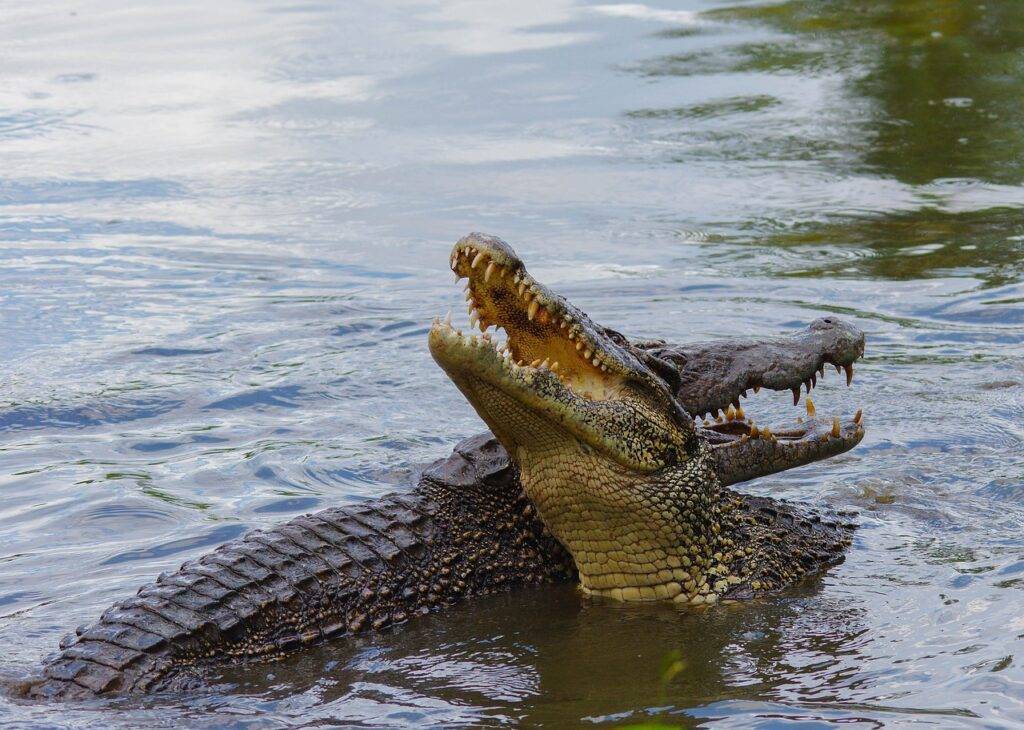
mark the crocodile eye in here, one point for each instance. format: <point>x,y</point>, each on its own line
<point>670,457</point>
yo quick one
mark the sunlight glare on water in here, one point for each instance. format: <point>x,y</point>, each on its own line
<point>224,230</point>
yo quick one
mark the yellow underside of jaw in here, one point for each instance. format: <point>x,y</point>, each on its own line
<point>628,543</point>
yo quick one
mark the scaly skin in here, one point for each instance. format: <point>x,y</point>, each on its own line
<point>465,530</point>
<point>636,526</point>
<point>602,432</point>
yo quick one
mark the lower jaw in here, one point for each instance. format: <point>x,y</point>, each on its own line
<point>739,458</point>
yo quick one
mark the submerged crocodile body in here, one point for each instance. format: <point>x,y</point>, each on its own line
<point>615,486</point>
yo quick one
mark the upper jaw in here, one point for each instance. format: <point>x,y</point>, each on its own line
<point>711,376</point>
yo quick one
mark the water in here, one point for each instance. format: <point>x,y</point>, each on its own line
<point>224,230</point>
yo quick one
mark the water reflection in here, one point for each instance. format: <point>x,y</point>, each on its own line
<point>942,81</point>
<point>223,231</point>
<point>924,94</point>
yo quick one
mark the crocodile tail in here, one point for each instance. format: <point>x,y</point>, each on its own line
<point>257,596</point>
<point>465,529</point>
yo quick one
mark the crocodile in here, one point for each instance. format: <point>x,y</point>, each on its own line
<point>608,463</point>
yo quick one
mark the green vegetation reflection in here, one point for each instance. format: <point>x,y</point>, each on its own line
<point>944,77</point>
<point>924,97</point>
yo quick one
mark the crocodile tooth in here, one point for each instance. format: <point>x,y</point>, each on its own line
<point>469,295</point>
<point>730,413</point>
<point>545,364</point>
<point>554,366</point>
<point>849,374</point>
<point>588,353</point>
<point>522,288</point>
<point>479,257</point>
<point>858,416</point>
<point>754,433</point>
<point>740,414</point>
<point>532,311</point>
<point>810,407</point>
<point>472,319</point>
<point>535,363</point>
<point>597,362</point>
<point>835,427</point>
<point>490,270</point>
<point>448,318</point>
<point>579,345</point>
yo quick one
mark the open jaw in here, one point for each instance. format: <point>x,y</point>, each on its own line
<point>715,378</point>
<point>556,371</point>
<point>558,368</point>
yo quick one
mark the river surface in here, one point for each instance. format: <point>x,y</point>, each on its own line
<point>224,229</point>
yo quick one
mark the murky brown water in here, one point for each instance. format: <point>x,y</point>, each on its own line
<point>224,229</point>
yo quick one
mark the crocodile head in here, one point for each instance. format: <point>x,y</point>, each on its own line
<point>603,430</point>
